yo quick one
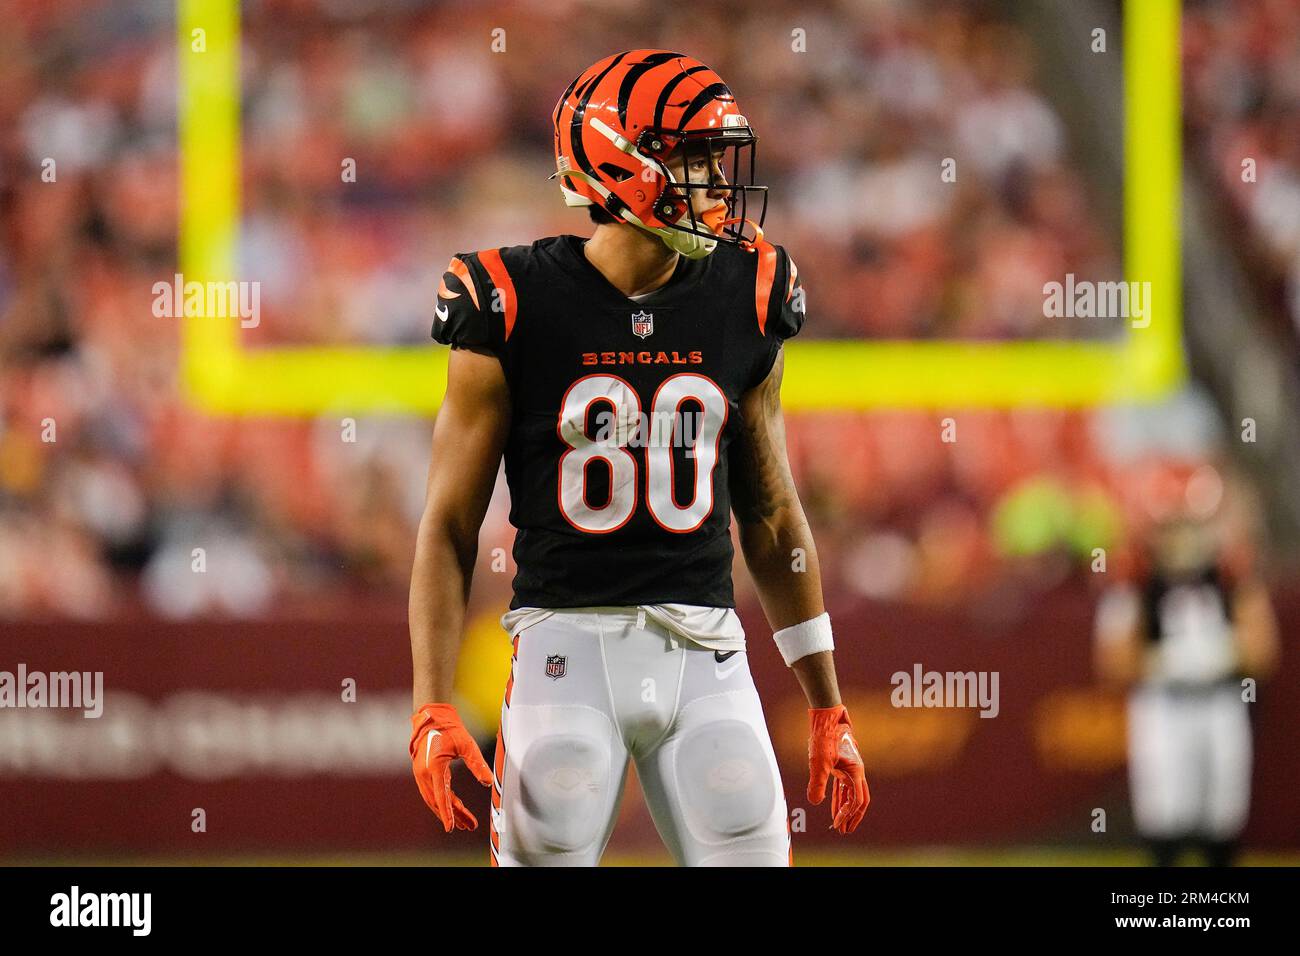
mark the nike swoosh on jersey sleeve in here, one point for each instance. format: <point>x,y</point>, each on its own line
<point>458,319</point>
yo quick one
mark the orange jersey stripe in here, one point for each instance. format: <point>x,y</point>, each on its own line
<point>510,681</point>
<point>491,259</point>
<point>499,768</point>
<point>764,280</point>
<point>461,272</point>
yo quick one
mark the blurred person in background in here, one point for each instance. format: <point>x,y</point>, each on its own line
<point>1185,631</point>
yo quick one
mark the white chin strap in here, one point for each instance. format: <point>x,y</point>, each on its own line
<point>687,243</point>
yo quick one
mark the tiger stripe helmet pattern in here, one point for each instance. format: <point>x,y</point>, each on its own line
<point>621,119</point>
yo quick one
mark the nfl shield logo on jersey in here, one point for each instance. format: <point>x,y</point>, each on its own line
<point>643,323</point>
<point>555,666</point>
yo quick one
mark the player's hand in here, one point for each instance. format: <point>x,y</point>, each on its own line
<point>437,738</point>
<point>832,752</point>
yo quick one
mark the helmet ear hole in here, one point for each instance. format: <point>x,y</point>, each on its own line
<point>616,172</point>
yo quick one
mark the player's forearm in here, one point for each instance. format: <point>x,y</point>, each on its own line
<point>1120,662</point>
<point>816,675</point>
<point>1255,627</point>
<point>1117,636</point>
<point>440,584</point>
<point>782,559</point>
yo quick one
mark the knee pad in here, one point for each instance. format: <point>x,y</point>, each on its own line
<point>726,779</point>
<point>564,782</point>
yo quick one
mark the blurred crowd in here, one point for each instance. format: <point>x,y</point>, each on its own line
<point>1242,106</point>
<point>114,494</point>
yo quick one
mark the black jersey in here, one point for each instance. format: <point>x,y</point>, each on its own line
<point>1200,600</point>
<point>1187,620</point>
<point>622,411</point>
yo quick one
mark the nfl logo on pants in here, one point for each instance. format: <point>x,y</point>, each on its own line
<point>555,666</point>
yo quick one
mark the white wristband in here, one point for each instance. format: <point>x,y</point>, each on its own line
<point>810,637</point>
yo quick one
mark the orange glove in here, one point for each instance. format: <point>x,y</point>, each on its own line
<point>437,738</point>
<point>832,751</point>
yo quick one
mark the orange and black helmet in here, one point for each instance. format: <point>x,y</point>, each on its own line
<point>619,122</point>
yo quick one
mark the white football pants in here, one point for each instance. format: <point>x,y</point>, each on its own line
<point>590,689</point>
<point>1189,762</point>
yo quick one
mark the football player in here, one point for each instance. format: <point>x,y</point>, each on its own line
<point>632,382</point>
<point>1182,632</point>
